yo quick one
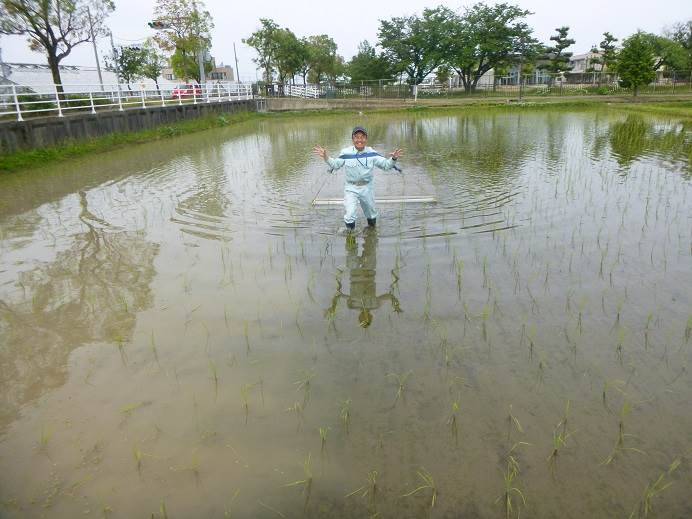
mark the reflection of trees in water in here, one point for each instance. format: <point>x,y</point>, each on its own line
<point>637,137</point>
<point>292,143</point>
<point>488,148</point>
<point>90,293</point>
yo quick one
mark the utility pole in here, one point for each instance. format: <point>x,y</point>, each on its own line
<point>115,61</point>
<point>237,74</point>
<point>93,41</point>
<point>200,53</point>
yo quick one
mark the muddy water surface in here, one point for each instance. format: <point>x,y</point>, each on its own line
<point>183,335</point>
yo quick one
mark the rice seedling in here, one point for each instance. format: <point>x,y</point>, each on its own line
<point>428,484</point>
<point>264,505</point>
<point>153,349</point>
<point>245,395</point>
<point>297,408</point>
<point>323,437</point>
<point>510,471</point>
<point>369,489</point>
<point>513,424</point>
<point>227,508</point>
<point>138,455</point>
<point>246,334</point>
<point>162,510</point>
<point>345,414</point>
<point>653,490</point>
<point>688,329</point>
<point>560,436</point>
<point>453,421</point>
<point>305,385</point>
<point>401,383</point>
<point>620,443</point>
<point>215,377</point>
<point>306,482</point>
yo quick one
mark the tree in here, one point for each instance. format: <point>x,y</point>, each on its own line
<point>185,60</point>
<point>559,59</point>
<point>607,51</point>
<point>303,57</point>
<point>153,62</point>
<point>323,58</point>
<point>128,61</point>
<point>54,27</point>
<point>366,65</point>
<point>289,54</point>
<point>264,42</point>
<point>487,37</point>
<point>186,32</point>
<point>442,74</point>
<point>636,65</point>
<point>667,53</point>
<point>682,34</point>
<point>413,44</point>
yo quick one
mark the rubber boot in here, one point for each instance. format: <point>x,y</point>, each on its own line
<point>351,225</point>
<point>372,222</point>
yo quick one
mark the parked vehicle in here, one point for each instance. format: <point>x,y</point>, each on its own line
<point>186,90</point>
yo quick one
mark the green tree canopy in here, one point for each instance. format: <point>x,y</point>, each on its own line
<point>322,57</point>
<point>264,41</point>
<point>153,62</point>
<point>128,61</point>
<point>289,54</point>
<point>681,33</point>
<point>487,37</point>
<point>556,54</point>
<point>54,27</point>
<point>366,65</point>
<point>636,65</point>
<point>607,51</point>
<point>186,33</point>
<point>667,53</point>
<point>414,44</point>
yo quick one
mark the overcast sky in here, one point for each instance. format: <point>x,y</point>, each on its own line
<point>348,23</point>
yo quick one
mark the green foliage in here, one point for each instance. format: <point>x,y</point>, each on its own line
<point>414,44</point>
<point>667,53</point>
<point>607,51</point>
<point>636,64</point>
<point>54,27</point>
<point>367,65</point>
<point>487,37</point>
<point>152,63</point>
<point>559,58</point>
<point>186,32</point>
<point>681,33</point>
<point>128,61</point>
<point>185,64</point>
<point>264,42</point>
<point>323,58</point>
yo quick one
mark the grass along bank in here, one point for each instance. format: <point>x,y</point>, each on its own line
<point>23,160</point>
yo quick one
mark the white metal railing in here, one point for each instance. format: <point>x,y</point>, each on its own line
<point>18,101</point>
<point>302,91</point>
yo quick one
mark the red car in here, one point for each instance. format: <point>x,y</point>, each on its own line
<point>186,90</point>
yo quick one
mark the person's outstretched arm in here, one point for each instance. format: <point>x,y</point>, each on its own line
<point>386,164</point>
<point>334,164</point>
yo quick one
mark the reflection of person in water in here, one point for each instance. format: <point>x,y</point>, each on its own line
<point>363,290</point>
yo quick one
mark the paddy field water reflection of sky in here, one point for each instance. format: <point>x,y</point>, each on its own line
<point>183,334</point>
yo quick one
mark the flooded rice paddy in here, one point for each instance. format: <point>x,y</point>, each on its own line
<point>184,335</point>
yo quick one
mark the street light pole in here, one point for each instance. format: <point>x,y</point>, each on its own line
<point>200,53</point>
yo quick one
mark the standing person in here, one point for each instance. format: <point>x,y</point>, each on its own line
<point>359,160</point>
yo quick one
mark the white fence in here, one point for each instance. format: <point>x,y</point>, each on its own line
<point>17,101</point>
<point>302,91</point>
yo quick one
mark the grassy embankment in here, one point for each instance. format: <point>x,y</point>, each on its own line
<point>50,155</point>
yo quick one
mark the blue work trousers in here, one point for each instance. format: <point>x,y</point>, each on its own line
<point>363,195</point>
